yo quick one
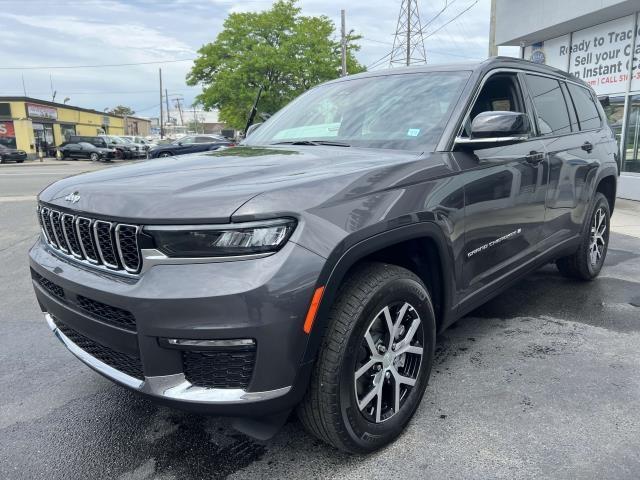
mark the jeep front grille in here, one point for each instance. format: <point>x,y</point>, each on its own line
<point>99,242</point>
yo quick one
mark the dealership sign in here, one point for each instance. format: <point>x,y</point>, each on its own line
<point>7,130</point>
<point>41,111</point>
<point>600,55</point>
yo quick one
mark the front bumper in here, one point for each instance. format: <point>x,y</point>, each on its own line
<point>264,299</point>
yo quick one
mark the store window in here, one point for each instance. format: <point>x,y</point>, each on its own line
<point>5,109</point>
<point>7,134</point>
<point>67,131</point>
<point>631,151</point>
<point>553,116</point>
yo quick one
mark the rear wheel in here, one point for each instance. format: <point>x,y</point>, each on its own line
<point>587,261</point>
<point>374,362</point>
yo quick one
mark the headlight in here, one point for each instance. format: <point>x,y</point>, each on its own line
<point>222,240</point>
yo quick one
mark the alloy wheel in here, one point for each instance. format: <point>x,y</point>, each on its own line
<point>388,362</point>
<point>598,243</point>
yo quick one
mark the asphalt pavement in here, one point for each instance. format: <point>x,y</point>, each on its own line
<point>541,382</point>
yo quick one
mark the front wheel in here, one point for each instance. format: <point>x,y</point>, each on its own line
<point>375,360</point>
<point>587,261</point>
<point>165,154</point>
<point>94,157</point>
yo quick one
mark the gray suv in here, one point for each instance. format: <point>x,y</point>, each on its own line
<point>311,267</point>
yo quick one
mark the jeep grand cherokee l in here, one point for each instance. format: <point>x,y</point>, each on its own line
<point>312,266</point>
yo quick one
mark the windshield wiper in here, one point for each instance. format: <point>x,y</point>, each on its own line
<point>313,142</point>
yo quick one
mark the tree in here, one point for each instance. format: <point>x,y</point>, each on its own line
<point>122,111</point>
<point>279,49</point>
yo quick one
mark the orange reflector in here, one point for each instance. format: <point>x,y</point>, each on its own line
<point>313,309</point>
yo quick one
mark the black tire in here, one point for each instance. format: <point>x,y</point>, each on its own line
<point>165,154</point>
<point>330,409</point>
<point>19,161</point>
<point>94,157</point>
<point>580,265</point>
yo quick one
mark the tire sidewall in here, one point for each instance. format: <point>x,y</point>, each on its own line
<point>600,202</point>
<point>366,435</point>
<point>94,157</point>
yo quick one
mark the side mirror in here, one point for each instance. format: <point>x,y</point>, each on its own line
<point>498,127</point>
<point>252,129</point>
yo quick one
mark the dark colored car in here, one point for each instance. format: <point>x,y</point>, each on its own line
<point>312,266</point>
<point>86,150</point>
<point>189,144</point>
<point>12,155</point>
<point>123,149</point>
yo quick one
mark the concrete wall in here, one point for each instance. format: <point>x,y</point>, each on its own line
<point>532,21</point>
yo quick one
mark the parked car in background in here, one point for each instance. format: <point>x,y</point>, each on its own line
<point>122,148</point>
<point>12,155</point>
<point>190,144</point>
<point>137,139</point>
<point>142,148</point>
<point>129,149</point>
<point>86,150</point>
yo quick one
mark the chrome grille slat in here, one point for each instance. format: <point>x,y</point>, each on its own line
<point>101,243</point>
<point>127,244</point>
<point>84,230</point>
<point>104,242</point>
<point>46,220</point>
<point>56,225</point>
<point>69,231</point>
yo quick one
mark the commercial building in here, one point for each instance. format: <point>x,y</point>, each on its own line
<point>595,40</point>
<point>36,125</point>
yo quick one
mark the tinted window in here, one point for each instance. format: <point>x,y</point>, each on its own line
<point>205,139</point>
<point>586,109</point>
<point>553,116</point>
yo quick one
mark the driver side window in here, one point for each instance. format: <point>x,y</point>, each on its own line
<point>501,92</point>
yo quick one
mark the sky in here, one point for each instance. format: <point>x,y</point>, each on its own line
<point>71,33</point>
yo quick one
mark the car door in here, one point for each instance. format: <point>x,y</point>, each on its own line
<point>204,144</point>
<point>187,145</point>
<point>504,192</point>
<point>569,149</point>
<point>72,150</point>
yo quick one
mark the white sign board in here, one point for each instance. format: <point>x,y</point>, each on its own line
<point>599,55</point>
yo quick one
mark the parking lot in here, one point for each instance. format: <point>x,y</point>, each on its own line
<point>542,382</point>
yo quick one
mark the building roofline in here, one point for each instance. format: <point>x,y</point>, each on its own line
<point>62,105</point>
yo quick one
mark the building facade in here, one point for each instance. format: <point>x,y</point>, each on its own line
<point>598,41</point>
<point>36,125</point>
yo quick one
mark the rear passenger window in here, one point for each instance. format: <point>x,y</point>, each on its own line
<point>553,116</point>
<point>586,109</point>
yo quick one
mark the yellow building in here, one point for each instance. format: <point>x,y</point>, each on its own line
<point>33,125</point>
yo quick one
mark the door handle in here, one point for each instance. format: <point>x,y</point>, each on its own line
<point>534,158</point>
<point>587,147</point>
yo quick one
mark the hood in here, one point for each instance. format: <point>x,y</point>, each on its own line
<point>209,187</point>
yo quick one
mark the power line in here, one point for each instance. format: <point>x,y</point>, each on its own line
<point>453,19</point>
<point>159,62</point>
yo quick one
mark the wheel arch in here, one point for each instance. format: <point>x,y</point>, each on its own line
<point>607,185</point>
<point>434,266</point>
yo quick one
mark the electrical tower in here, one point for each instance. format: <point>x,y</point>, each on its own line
<point>408,42</point>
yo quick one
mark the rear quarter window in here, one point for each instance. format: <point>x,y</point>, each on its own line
<point>550,105</point>
<point>586,108</point>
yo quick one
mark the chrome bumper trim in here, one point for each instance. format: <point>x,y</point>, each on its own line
<point>174,387</point>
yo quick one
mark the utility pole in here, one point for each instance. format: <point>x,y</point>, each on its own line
<point>166,97</point>
<point>493,48</point>
<point>195,118</point>
<point>343,42</point>
<point>24,88</point>
<point>161,118</point>
<point>408,42</point>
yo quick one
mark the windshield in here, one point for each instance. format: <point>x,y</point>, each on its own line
<point>406,111</point>
<point>87,145</point>
<point>117,140</point>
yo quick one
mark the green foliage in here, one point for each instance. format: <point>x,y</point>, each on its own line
<point>279,49</point>
<point>122,110</point>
